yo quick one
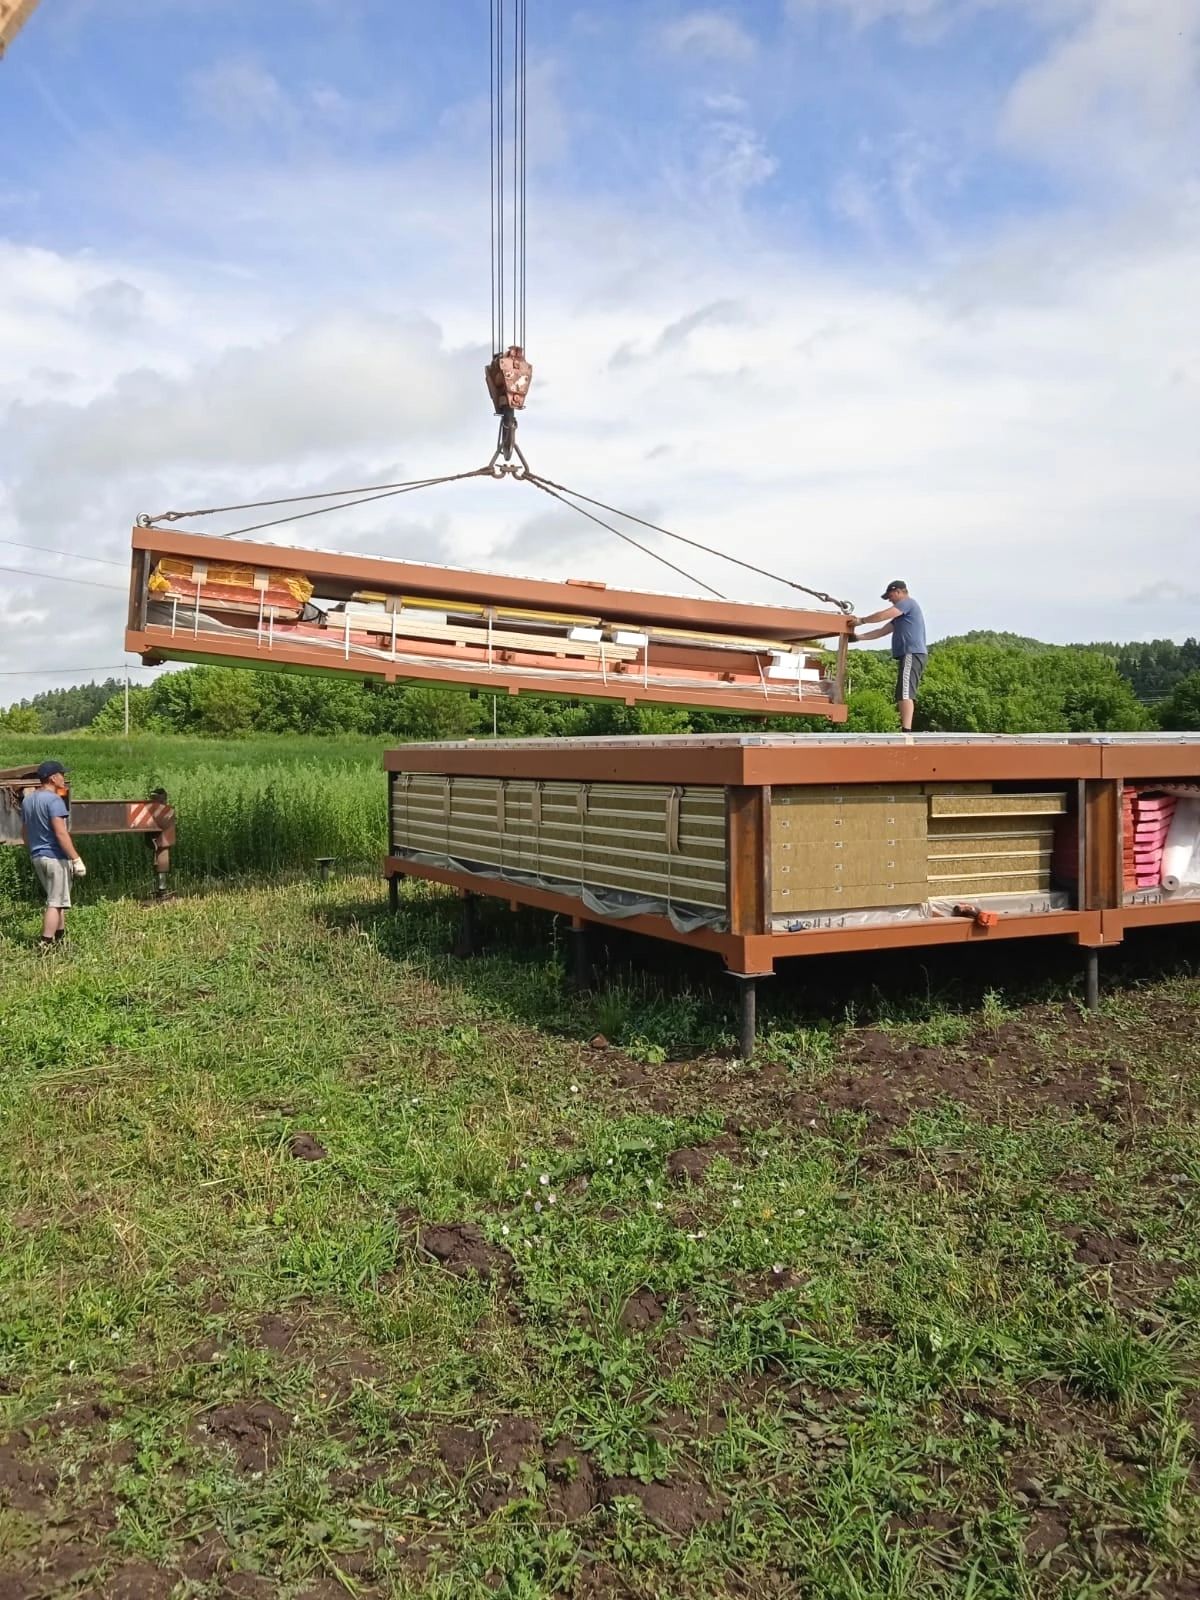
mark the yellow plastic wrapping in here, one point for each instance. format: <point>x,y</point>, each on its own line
<point>175,575</point>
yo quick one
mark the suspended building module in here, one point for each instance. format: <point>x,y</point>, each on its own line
<point>199,598</point>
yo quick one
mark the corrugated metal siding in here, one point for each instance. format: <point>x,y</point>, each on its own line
<point>652,839</point>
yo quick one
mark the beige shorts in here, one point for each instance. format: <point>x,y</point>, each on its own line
<point>55,878</point>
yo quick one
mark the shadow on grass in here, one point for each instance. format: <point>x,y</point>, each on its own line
<point>662,1000</point>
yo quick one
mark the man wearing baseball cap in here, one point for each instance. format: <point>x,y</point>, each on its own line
<point>905,622</point>
<point>48,839</point>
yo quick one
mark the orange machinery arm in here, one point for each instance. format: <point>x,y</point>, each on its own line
<point>14,14</point>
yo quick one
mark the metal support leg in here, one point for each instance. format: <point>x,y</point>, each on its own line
<point>1091,970</point>
<point>581,959</point>
<point>468,927</point>
<point>394,893</point>
<point>747,1013</point>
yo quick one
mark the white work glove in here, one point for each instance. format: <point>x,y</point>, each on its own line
<point>78,870</point>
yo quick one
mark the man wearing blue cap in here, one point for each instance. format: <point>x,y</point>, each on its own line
<point>905,622</point>
<point>48,839</point>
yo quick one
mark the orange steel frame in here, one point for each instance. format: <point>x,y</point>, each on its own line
<point>340,575</point>
<point>748,772</point>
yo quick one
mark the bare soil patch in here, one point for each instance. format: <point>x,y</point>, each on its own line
<point>253,1430</point>
<point>641,1311</point>
<point>462,1249</point>
<point>678,1507</point>
<point>304,1147</point>
<point>1118,1270</point>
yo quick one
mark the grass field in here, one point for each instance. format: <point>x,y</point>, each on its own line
<point>245,805</point>
<point>330,1266</point>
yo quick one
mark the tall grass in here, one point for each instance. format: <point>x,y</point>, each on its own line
<point>245,807</point>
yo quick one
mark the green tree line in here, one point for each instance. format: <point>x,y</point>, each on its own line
<point>978,683</point>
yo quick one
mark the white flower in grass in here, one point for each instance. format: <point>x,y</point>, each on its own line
<point>544,1180</point>
<point>658,1205</point>
<point>504,1230</point>
<point>552,1199</point>
<point>537,1205</point>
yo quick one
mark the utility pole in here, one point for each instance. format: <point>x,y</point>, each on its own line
<point>127,702</point>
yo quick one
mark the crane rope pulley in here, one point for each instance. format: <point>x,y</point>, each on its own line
<point>509,373</point>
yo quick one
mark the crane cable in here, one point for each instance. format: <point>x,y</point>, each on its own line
<point>508,39</point>
<point>695,544</point>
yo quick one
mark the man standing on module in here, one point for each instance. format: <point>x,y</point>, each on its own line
<point>51,848</point>
<point>905,622</point>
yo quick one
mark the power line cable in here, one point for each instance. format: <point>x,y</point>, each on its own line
<point>61,577</point>
<point>66,672</point>
<point>71,555</point>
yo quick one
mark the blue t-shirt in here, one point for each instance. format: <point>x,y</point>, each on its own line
<point>908,630</point>
<point>38,810</point>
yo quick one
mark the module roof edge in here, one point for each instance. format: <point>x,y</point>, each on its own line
<point>142,541</point>
<point>790,741</point>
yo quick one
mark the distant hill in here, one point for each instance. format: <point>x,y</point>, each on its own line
<point>999,641</point>
<point>62,710</point>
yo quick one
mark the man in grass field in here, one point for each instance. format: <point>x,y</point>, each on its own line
<point>48,839</point>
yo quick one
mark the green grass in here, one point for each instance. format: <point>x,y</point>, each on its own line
<point>246,806</point>
<point>944,1398</point>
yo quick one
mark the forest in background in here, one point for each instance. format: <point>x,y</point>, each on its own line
<point>975,683</point>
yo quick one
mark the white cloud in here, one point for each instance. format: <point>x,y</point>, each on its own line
<point>868,12</point>
<point>241,95</point>
<point>1042,424</point>
<point>1120,92</point>
<point>713,34</point>
<point>1014,420</point>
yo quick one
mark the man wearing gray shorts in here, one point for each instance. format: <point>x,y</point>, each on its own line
<point>905,622</point>
<point>47,837</point>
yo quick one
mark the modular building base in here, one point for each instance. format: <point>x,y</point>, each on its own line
<point>734,844</point>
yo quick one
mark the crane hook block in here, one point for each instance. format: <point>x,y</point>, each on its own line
<point>508,379</point>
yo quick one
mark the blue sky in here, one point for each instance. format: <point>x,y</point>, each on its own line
<point>872,285</point>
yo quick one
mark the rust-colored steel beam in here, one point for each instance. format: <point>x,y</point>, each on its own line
<point>1102,884</point>
<point>341,575</point>
<point>758,953</point>
<point>156,645</point>
<point>727,946</point>
<point>746,845</point>
<point>1144,760</point>
<point>748,759</point>
<point>124,816</point>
